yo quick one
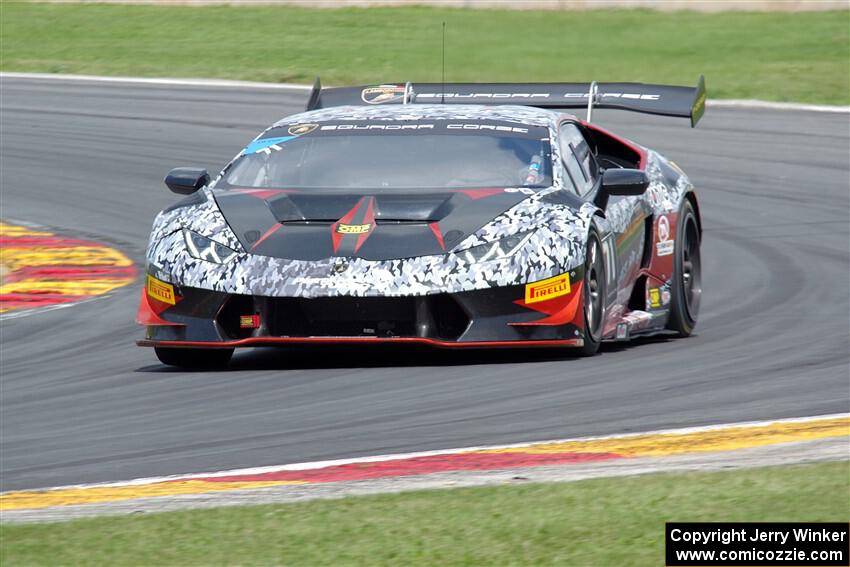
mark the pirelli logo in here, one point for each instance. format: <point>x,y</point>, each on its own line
<point>547,289</point>
<point>160,291</point>
<point>353,228</point>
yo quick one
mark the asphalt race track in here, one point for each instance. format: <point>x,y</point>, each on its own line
<point>79,402</point>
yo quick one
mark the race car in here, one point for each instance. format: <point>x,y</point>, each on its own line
<point>451,215</point>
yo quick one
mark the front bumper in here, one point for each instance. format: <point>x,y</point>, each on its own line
<point>490,318</point>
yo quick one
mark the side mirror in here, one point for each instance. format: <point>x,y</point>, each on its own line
<point>621,182</point>
<point>186,180</point>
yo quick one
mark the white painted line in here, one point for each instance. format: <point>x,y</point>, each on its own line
<point>223,83</point>
<point>767,105</point>
<point>399,456</point>
<point>18,313</point>
<point>157,81</point>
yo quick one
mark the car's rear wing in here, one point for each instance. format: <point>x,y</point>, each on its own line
<point>664,100</point>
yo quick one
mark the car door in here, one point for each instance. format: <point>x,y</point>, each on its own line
<point>626,215</point>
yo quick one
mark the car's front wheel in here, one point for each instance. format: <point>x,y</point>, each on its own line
<point>594,293</point>
<point>194,357</point>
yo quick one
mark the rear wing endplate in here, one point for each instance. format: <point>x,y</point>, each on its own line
<point>663,100</point>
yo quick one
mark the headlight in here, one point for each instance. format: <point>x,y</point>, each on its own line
<point>203,248</point>
<point>494,250</point>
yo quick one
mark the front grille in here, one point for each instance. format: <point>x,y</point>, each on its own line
<point>437,317</point>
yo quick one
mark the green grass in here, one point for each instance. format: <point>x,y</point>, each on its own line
<point>772,56</point>
<point>602,522</point>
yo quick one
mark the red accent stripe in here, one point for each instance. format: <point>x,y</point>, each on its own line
<point>435,228</point>
<point>419,465</point>
<point>368,218</point>
<point>271,341</point>
<point>262,193</point>
<point>475,194</point>
<point>149,310</point>
<point>346,219</point>
<point>628,143</point>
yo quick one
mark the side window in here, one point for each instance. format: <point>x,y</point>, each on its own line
<point>573,169</point>
<point>578,159</point>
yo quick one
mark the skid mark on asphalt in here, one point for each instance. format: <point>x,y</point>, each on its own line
<point>41,269</point>
<point>576,451</point>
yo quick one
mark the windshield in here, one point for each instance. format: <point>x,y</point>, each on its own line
<point>403,155</point>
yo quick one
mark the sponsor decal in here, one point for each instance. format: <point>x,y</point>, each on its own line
<point>491,127</point>
<point>663,228</point>
<point>654,297</point>
<point>382,94</point>
<point>622,332</point>
<point>454,127</point>
<point>665,246</point>
<point>353,228</point>
<point>482,95</point>
<point>547,289</point>
<point>630,96</point>
<point>378,127</point>
<point>627,96</point>
<point>523,190</point>
<point>160,291</point>
<point>266,145</point>
<point>585,94</point>
<point>301,129</point>
<point>665,297</point>
<point>699,103</point>
<point>249,321</point>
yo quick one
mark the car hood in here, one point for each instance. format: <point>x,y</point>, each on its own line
<point>383,225</point>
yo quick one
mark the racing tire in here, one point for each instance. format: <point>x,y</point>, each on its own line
<point>687,273</point>
<point>194,357</point>
<point>594,293</point>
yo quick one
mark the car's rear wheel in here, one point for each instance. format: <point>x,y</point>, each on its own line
<point>194,357</point>
<point>594,293</point>
<point>687,273</point>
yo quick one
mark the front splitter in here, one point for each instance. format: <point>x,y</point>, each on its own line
<point>280,341</point>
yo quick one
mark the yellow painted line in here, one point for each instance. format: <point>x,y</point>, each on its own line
<point>16,258</point>
<point>65,287</point>
<point>15,230</point>
<point>725,439</point>
<point>94,495</point>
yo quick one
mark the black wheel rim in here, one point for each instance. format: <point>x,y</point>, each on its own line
<point>691,268</point>
<point>594,288</point>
